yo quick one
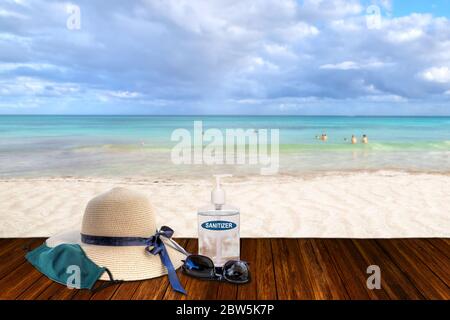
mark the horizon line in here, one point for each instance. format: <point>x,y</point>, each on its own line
<point>225,115</point>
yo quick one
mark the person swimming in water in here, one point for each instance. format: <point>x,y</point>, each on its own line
<point>365,139</point>
<point>324,137</point>
<point>354,140</point>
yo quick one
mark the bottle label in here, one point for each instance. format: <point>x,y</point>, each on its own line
<point>218,225</point>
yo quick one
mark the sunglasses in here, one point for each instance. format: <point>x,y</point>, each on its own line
<point>202,267</point>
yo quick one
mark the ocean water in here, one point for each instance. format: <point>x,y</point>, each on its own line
<point>140,146</point>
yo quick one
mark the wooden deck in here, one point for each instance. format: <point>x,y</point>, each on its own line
<point>281,269</point>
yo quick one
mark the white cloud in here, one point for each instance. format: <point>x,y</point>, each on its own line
<point>197,53</point>
<point>11,14</point>
<point>124,94</point>
<point>384,98</point>
<point>347,25</point>
<point>405,35</point>
<point>351,65</point>
<point>34,87</point>
<point>437,74</point>
<point>346,65</point>
<point>278,50</point>
<point>8,66</point>
<point>297,31</point>
<point>26,103</point>
<point>408,28</point>
<point>255,64</point>
<point>332,8</point>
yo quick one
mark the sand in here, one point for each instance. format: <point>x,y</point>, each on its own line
<point>356,205</point>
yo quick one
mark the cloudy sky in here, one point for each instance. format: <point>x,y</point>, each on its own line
<point>225,57</point>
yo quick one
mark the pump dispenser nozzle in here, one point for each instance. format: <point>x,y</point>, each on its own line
<point>218,194</point>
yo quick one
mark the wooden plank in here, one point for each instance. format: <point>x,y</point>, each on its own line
<point>153,289</point>
<point>36,289</point>
<point>57,291</point>
<point>126,290</point>
<point>350,248</point>
<point>351,268</point>
<point>442,245</point>
<point>9,244</point>
<point>281,268</point>
<point>266,288</point>
<point>17,275</point>
<point>249,253</point>
<point>290,273</point>
<point>82,294</point>
<point>258,252</point>
<point>429,285</point>
<point>320,269</point>
<point>432,257</point>
<point>14,284</point>
<point>227,291</point>
<point>201,290</point>
<point>393,280</point>
<point>54,289</point>
<point>13,256</point>
<point>105,294</point>
<point>5,241</point>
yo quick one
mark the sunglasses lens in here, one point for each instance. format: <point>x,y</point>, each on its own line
<point>199,266</point>
<point>236,271</point>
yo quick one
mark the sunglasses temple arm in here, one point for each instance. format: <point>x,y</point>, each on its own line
<point>177,247</point>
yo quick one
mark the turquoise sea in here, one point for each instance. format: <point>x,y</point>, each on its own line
<point>140,146</point>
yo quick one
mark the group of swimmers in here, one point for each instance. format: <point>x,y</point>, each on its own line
<point>353,140</point>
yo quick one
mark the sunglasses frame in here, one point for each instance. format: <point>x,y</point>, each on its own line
<point>214,275</point>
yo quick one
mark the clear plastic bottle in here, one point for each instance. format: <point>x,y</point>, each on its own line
<point>218,228</point>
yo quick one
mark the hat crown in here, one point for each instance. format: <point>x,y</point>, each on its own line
<point>119,213</point>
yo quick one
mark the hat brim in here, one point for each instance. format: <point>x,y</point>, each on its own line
<point>126,263</point>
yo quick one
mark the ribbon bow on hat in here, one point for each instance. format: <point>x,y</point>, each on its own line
<point>155,246</point>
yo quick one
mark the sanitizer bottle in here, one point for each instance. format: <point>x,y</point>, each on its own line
<point>218,227</point>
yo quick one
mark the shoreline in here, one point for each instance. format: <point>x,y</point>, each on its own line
<point>209,179</point>
<point>382,204</point>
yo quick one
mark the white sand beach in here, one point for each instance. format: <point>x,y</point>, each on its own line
<point>380,204</point>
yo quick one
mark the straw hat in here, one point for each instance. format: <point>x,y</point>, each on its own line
<point>120,213</point>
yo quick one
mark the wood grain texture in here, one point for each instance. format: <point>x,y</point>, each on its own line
<point>349,269</point>
<point>290,272</point>
<point>418,273</point>
<point>280,268</point>
<point>16,274</point>
<point>321,271</point>
<point>258,252</point>
<point>393,280</point>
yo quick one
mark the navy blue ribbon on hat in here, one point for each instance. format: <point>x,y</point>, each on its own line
<point>153,245</point>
